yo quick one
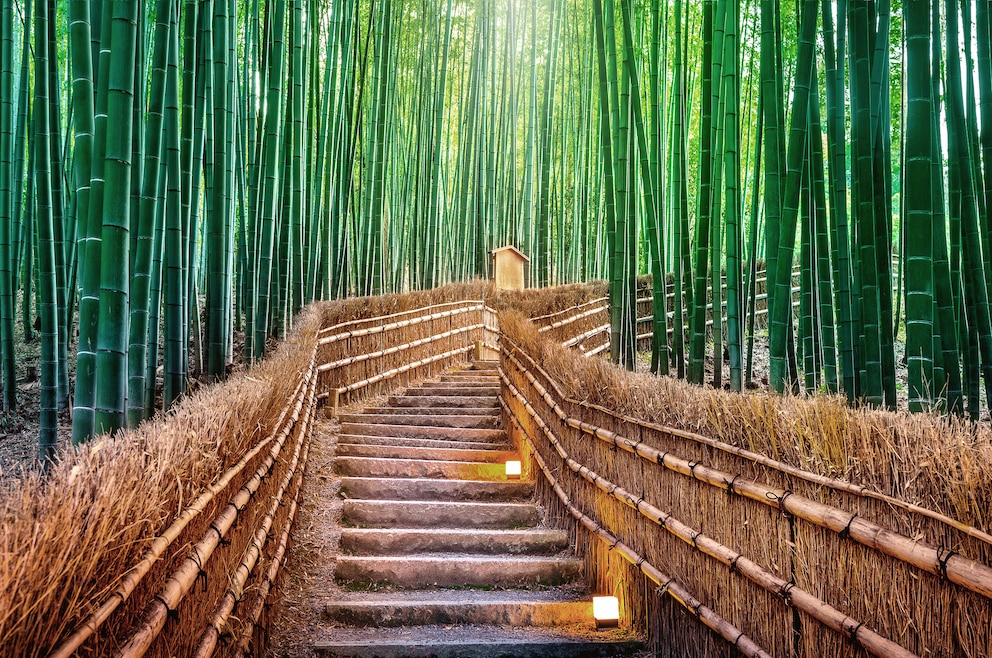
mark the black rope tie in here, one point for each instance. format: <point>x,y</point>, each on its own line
<point>661,458</point>
<point>692,467</point>
<point>846,532</point>
<point>663,589</point>
<point>854,631</point>
<point>730,485</point>
<point>786,593</point>
<point>781,501</point>
<point>202,577</point>
<point>942,561</point>
<point>171,614</point>
<point>733,563</point>
<point>641,561</point>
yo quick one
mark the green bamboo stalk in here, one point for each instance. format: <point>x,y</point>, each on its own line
<point>6,204</point>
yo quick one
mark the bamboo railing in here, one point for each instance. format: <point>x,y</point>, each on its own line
<point>760,544</point>
<point>203,585</point>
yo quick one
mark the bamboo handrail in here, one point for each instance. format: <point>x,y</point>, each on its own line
<point>541,318</point>
<point>589,334</point>
<point>396,325</point>
<point>666,584</point>
<point>184,576</point>
<point>815,607</point>
<point>134,576</point>
<point>572,318</point>
<point>379,318</point>
<point>211,635</point>
<point>389,374</point>
<point>942,562</point>
<point>398,348</point>
<point>814,478</point>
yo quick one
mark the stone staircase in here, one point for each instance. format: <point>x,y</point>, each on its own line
<point>441,554</point>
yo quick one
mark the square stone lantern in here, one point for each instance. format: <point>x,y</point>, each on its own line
<point>509,267</point>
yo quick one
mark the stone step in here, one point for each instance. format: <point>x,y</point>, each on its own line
<point>447,570</point>
<point>476,642</point>
<point>435,454</point>
<point>408,541</point>
<point>544,608</point>
<point>446,389</point>
<point>489,435</point>
<point>462,380</point>
<point>487,374</point>
<point>447,401</point>
<point>393,488</point>
<point>437,410</point>
<point>422,443</point>
<point>438,514</point>
<point>487,384</point>
<point>420,468</point>
<point>486,421</point>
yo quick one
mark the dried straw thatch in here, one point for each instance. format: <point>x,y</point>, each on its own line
<point>68,540</point>
<point>658,448</point>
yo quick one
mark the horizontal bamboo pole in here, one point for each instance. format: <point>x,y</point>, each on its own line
<point>389,374</point>
<point>666,584</point>
<point>255,613</point>
<point>541,318</point>
<point>396,325</point>
<point>573,318</point>
<point>130,580</point>
<point>211,635</point>
<point>597,350</point>
<point>396,349</point>
<point>814,478</point>
<point>815,607</point>
<point>178,584</point>
<point>380,318</point>
<point>589,334</point>
<point>943,562</point>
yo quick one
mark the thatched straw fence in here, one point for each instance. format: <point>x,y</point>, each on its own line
<point>785,526</point>
<point>167,540</point>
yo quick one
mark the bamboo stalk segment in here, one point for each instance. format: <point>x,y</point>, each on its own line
<point>667,584</point>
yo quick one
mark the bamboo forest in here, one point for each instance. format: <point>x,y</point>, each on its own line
<point>179,178</point>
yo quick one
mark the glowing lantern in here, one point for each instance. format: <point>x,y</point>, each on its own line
<point>513,470</point>
<point>606,610</point>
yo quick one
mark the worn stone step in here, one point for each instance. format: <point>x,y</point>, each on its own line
<point>486,421</point>
<point>543,608</point>
<point>423,443</point>
<point>487,384</point>
<point>462,380</point>
<point>444,389</point>
<point>409,541</point>
<point>420,468</point>
<point>471,375</point>
<point>489,435</point>
<point>438,410</point>
<point>393,488</point>
<point>447,401</point>
<point>438,514</point>
<point>447,570</point>
<point>476,642</point>
<point>413,452</point>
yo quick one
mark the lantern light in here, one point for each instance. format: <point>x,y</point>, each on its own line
<point>513,470</point>
<point>606,610</point>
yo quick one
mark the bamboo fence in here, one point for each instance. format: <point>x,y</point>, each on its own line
<point>795,562</point>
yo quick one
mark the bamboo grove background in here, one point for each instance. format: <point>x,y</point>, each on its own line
<point>174,171</point>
